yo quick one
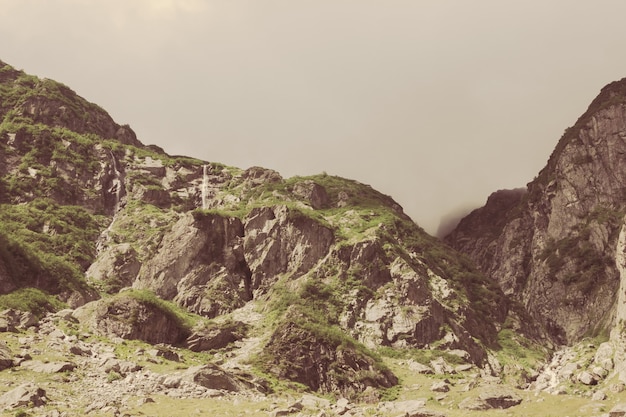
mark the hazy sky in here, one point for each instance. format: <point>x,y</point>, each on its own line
<point>434,102</point>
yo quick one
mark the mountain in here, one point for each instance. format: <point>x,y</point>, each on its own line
<point>250,282</point>
<point>557,247</point>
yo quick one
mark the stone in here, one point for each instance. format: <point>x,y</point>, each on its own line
<point>604,356</point>
<point>213,377</point>
<point>618,410</point>
<point>441,367</point>
<point>499,397</point>
<point>598,396</point>
<point>420,368</point>
<point>440,386</point>
<point>313,402</point>
<point>172,381</point>
<point>162,351</point>
<point>50,367</point>
<point>6,356</point>
<point>617,388</point>
<point>25,395</point>
<point>587,378</point>
<point>474,404</point>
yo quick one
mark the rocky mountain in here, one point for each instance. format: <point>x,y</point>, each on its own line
<point>557,247</point>
<point>133,282</point>
<point>308,284</point>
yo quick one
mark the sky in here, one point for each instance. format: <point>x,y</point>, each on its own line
<point>437,103</point>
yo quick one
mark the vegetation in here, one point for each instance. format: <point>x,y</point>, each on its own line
<point>178,315</point>
<point>31,299</point>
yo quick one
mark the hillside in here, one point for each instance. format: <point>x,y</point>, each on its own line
<point>558,246</point>
<point>210,273</point>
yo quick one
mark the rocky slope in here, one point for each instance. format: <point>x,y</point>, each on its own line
<point>558,246</point>
<point>302,281</point>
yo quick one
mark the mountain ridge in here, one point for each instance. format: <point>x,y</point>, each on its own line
<point>242,284</point>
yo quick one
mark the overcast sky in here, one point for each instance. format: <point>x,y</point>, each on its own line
<point>437,103</point>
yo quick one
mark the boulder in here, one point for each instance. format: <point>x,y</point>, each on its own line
<point>213,377</point>
<point>6,356</point>
<point>441,367</point>
<point>420,368</point>
<point>314,193</point>
<point>587,378</point>
<point>115,268</point>
<point>11,320</point>
<point>216,337</point>
<point>440,386</point>
<point>598,396</point>
<point>618,411</point>
<point>25,395</point>
<point>474,404</point>
<point>500,397</point>
<point>130,316</point>
<point>50,367</point>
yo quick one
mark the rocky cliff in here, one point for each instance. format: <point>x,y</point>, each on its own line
<point>308,277</point>
<point>554,247</point>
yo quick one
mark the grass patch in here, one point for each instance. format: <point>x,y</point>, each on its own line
<point>31,299</point>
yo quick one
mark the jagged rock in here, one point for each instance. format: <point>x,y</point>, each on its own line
<point>420,368</point>
<point>314,193</point>
<point>120,366</point>
<point>129,317</point>
<point>604,356</point>
<point>115,268</point>
<point>474,404</point>
<point>200,265</point>
<point>598,396</point>
<point>11,320</point>
<point>499,397</point>
<point>50,367</point>
<point>173,381</point>
<point>441,367</point>
<point>257,175</point>
<point>6,356</point>
<point>80,350</point>
<point>216,337</point>
<point>618,411</point>
<point>213,377</point>
<point>440,386</point>
<point>559,240</point>
<point>280,239</point>
<point>587,378</point>
<point>25,395</point>
<point>162,351</point>
<point>315,403</point>
<point>302,355</point>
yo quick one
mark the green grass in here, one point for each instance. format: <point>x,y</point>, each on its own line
<point>31,299</point>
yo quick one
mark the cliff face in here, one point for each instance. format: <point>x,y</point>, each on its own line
<point>334,269</point>
<point>555,247</point>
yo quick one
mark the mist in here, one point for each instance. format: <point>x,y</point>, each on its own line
<point>435,103</point>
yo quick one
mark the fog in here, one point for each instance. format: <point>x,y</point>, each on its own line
<point>437,103</point>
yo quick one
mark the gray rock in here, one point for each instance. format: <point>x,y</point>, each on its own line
<point>23,396</point>
<point>474,404</point>
<point>49,368</point>
<point>587,378</point>
<point>499,397</point>
<point>6,357</point>
<point>598,396</point>
<point>618,411</point>
<point>440,386</point>
<point>173,381</point>
<point>441,367</point>
<point>420,368</point>
<point>213,377</point>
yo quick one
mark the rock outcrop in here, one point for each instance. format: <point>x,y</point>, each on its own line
<point>553,248</point>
